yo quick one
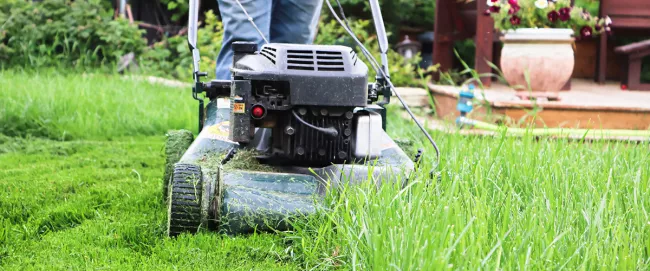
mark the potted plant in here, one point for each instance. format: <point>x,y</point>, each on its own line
<point>537,58</point>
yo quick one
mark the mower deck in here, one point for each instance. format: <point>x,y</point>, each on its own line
<point>207,193</point>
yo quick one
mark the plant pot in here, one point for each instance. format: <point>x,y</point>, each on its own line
<point>537,62</point>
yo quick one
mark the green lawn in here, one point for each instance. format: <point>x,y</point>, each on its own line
<point>503,203</point>
<point>96,204</point>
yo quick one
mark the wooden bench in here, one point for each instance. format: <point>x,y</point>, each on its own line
<point>629,18</point>
<point>634,54</point>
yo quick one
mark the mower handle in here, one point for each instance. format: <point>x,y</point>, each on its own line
<point>192,30</point>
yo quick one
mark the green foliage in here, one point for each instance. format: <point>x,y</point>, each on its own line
<point>592,6</point>
<point>418,13</point>
<point>178,7</point>
<point>81,34</point>
<point>64,33</point>
<point>402,72</point>
<point>466,51</point>
<point>172,57</point>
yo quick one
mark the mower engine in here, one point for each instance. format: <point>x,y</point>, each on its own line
<point>308,103</point>
<point>307,113</point>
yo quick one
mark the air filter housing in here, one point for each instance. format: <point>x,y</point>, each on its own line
<point>321,75</point>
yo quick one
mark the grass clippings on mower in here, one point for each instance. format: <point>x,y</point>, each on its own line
<point>246,160</point>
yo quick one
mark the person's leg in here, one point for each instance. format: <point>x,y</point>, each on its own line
<point>237,28</point>
<point>295,21</point>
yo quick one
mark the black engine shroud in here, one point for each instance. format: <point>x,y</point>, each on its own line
<point>309,96</point>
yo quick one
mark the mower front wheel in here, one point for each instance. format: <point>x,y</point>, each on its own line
<point>184,202</point>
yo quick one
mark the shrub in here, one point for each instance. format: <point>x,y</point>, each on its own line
<point>83,34</point>
<point>178,7</point>
<point>172,58</point>
<point>418,13</point>
<point>402,71</point>
<point>66,33</point>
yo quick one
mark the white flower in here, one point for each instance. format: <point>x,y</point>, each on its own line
<point>489,3</point>
<point>608,21</point>
<point>541,3</point>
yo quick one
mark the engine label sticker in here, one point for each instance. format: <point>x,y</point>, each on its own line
<point>239,108</point>
<point>223,103</point>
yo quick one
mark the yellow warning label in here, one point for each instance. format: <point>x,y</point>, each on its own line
<point>220,129</point>
<point>239,108</point>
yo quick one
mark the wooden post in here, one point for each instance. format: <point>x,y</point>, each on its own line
<point>601,63</point>
<point>601,66</point>
<point>484,42</point>
<point>443,40</point>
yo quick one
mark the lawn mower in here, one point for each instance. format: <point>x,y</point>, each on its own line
<point>293,122</point>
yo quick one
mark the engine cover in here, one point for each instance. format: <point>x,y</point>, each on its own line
<point>310,96</point>
<point>319,75</point>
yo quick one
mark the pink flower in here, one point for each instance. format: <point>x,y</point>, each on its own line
<point>565,14</point>
<point>586,31</point>
<point>486,12</point>
<point>513,10</point>
<point>513,2</point>
<point>553,16</point>
<point>514,20</point>
<point>495,9</point>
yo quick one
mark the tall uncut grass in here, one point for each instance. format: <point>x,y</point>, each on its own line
<point>503,203</point>
<point>58,105</point>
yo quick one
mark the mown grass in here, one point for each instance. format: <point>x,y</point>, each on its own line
<point>96,204</point>
<point>502,203</point>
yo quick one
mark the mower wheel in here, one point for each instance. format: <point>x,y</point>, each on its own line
<point>177,143</point>
<point>184,202</point>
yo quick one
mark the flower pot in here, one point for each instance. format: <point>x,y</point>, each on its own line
<point>537,62</point>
